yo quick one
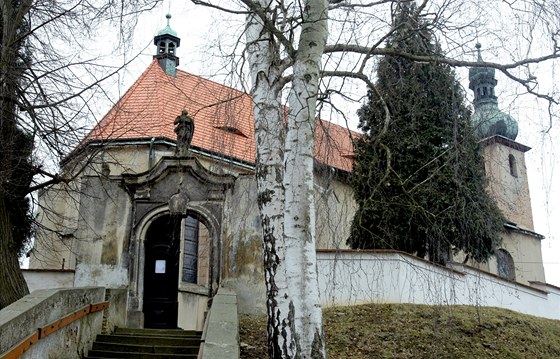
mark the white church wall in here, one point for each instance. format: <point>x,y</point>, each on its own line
<point>526,253</point>
<point>100,275</point>
<point>48,278</point>
<point>335,208</point>
<point>191,311</point>
<point>242,246</point>
<point>58,213</point>
<point>352,277</point>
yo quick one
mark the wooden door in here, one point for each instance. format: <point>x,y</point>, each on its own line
<point>161,273</point>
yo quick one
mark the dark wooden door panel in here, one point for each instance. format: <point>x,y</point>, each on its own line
<point>161,273</point>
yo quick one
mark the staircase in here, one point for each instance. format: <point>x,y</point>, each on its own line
<point>146,343</point>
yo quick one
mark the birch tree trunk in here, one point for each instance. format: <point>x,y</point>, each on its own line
<point>263,59</point>
<point>284,173</point>
<point>299,218</point>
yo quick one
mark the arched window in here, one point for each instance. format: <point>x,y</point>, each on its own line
<point>506,267</point>
<point>161,47</point>
<point>512,165</point>
<point>171,48</point>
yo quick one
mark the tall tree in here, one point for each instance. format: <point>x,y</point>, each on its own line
<point>46,82</point>
<point>418,176</point>
<point>288,49</point>
<point>284,174</point>
<point>16,147</point>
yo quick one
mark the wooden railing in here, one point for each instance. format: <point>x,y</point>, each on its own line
<point>17,350</point>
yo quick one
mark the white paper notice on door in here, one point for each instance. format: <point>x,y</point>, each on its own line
<point>160,265</point>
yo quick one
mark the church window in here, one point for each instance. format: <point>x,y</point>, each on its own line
<point>190,250</point>
<point>161,47</point>
<point>196,250</point>
<point>506,267</point>
<point>512,165</point>
<point>172,48</point>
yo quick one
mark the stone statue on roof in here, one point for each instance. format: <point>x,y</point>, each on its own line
<point>184,128</point>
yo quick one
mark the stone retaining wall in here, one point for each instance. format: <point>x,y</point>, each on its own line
<point>43,307</point>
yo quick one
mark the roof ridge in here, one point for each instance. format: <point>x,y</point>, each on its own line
<point>214,82</point>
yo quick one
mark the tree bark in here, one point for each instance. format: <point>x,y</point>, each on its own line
<point>263,60</point>
<point>299,218</point>
<point>284,172</point>
<point>12,284</point>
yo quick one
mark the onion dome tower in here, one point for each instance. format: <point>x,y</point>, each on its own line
<point>519,256</point>
<point>167,43</point>
<point>487,117</point>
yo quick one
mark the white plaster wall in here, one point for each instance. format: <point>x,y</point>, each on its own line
<point>527,256</point>
<point>47,279</point>
<point>102,275</point>
<point>335,208</point>
<point>242,268</point>
<point>192,308</point>
<point>348,278</point>
<point>58,214</point>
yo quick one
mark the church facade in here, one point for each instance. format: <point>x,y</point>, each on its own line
<point>165,203</point>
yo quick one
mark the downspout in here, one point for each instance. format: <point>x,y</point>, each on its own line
<point>151,153</point>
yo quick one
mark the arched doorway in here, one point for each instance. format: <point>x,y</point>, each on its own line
<point>177,263</point>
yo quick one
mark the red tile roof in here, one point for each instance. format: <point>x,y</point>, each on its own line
<point>223,118</point>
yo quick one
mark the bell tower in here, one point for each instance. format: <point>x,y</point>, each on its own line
<point>167,43</point>
<point>520,256</point>
<point>487,117</point>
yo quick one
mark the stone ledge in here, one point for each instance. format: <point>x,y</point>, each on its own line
<point>221,338</point>
<point>43,307</point>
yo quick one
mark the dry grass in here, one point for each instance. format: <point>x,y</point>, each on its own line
<point>420,331</point>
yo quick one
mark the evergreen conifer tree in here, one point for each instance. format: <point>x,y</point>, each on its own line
<point>418,175</point>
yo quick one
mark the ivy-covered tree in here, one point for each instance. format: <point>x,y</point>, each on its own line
<point>15,160</point>
<point>418,175</point>
<point>45,107</point>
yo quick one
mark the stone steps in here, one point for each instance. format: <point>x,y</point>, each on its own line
<point>146,343</point>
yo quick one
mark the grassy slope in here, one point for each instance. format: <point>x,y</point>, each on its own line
<point>420,331</point>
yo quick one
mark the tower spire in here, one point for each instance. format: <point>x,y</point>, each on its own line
<point>478,46</point>
<point>482,80</point>
<point>487,117</point>
<point>167,43</point>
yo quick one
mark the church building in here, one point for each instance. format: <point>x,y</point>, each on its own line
<point>165,203</point>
